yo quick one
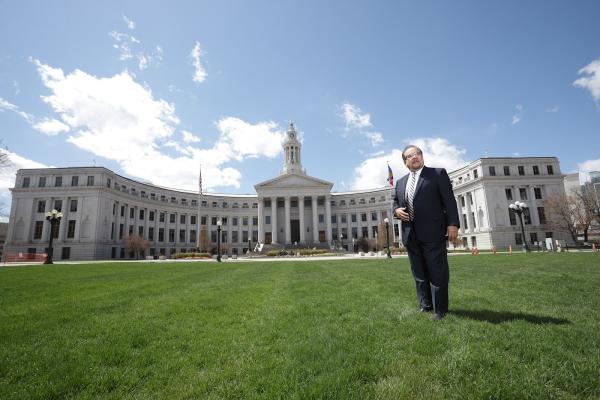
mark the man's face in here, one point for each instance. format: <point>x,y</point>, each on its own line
<point>414,159</point>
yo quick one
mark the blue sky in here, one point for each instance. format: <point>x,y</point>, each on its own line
<point>151,90</point>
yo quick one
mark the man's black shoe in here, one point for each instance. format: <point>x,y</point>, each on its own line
<point>426,309</point>
<point>437,316</point>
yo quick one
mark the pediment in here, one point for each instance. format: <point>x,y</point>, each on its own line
<point>294,182</point>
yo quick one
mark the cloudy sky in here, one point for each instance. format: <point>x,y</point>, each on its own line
<point>151,90</point>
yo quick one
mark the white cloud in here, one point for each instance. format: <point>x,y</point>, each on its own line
<point>590,82</point>
<point>130,24</point>
<point>119,119</point>
<point>553,109</point>
<point>589,165</point>
<point>437,152</point>
<point>189,137</point>
<point>125,43</point>
<point>518,114</point>
<point>17,88</point>
<point>51,126</point>
<point>375,137</point>
<point>354,118</point>
<point>199,71</point>
<point>5,105</point>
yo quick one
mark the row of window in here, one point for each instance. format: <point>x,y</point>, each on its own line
<point>38,229</point>
<point>523,193</point>
<point>521,170</point>
<point>58,181</point>
<point>41,205</point>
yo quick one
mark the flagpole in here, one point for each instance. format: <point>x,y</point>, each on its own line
<point>198,229</point>
<point>391,183</point>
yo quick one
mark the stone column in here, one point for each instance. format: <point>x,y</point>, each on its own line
<point>261,225</point>
<point>328,218</point>
<point>533,207</point>
<point>286,222</point>
<point>315,218</point>
<point>301,216</point>
<point>274,228</point>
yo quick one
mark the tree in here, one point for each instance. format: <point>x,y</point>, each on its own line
<point>4,160</point>
<point>584,210</point>
<point>560,209</point>
<point>136,244</point>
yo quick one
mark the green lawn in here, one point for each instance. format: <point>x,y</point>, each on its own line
<point>520,326</point>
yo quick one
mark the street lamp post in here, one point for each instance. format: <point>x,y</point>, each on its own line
<point>219,223</point>
<point>376,243</point>
<point>387,236</point>
<point>518,208</point>
<point>353,246</point>
<point>54,217</point>
<point>342,240</point>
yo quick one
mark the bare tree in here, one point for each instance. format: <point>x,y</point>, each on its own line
<point>4,160</point>
<point>584,210</point>
<point>136,244</point>
<point>560,213</point>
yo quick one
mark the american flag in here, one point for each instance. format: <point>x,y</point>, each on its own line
<point>390,176</point>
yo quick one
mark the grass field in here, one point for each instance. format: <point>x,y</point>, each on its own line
<point>520,326</point>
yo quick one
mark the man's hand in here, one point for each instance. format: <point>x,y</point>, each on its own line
<point>452,232</point>
<point>402,214</point>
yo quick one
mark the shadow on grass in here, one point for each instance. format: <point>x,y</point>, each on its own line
<point>498,317</point>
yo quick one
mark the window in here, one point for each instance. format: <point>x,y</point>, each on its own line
<point>245,221</point>
<point>244,236</point>
<point>492,170</point>
<point>536,170</point>
<point>58,181</point>
<point>533,237</point>
<point>523,193</point>
<point>541,215</point>
<point>71,229</point>
<point>182,219</point>
<point>150,233</point>
<point>171,235</point>
<point>74,181</point>
<point>120,231</point>
<point>506,171</point>
<point>470,197</point>
<point>234,221</point>
<point>193,236</point>
<point>526,216</point>
<point>344,219</point>
<point>518,238</point>
<point>509,196</point>
<point>172,218</point>
<point>41,206</point>
<point>321,218</point>
<point>122,211</point>
<point>182,235</point>
<point>26,182</point>
<point>473,219</point>
<point>142,214</point>
<point>58,205</point>
<point>254,222</point>
<point>73,206</point>
<point>365,232</point>
<point>203,220</point>
<point>550,170</point>
<point>213,221</point>
<point>353,217</point>
<point>39,228</point>
<point>108,183</point>
<point>234,237</point>
<point>374,216</point>
<point>42,181</point>
<point>193,219</point>
<point>512,217</point>
<point>151,216</point>
<point>267,219</point>
<point>374,229</point>
<point>141,231</point>
<point>161,234</point>
<point>521,170</point>
<point>334,219</point>
<point>355,232</point>
<point>538,193</point>
<point>161,217</point>
<point>462,201</point>
<point>65,253</point>
<point>131,213</point>
<point>90,180</point>
<point>475,174</point>
<point>130,232</point>
<point>112,231</point>
<point>363,217</point>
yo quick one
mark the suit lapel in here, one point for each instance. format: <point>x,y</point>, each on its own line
<point>402,186</point>
<point>423,177</point>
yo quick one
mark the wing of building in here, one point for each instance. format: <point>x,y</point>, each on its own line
<point>101,208</point>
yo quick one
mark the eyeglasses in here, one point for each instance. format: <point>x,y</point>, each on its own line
<point>412,155</point>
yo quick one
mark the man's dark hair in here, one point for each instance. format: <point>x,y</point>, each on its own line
<point>410,146</point>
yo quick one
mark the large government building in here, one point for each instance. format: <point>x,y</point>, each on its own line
<point>101,208</point>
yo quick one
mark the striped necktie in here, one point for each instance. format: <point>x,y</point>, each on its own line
<point>410,194</point>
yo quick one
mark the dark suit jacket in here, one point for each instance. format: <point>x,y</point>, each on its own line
<point>434,205</point>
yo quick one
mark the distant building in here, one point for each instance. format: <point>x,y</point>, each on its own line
<point>293,209</point>
<point>3,231</point>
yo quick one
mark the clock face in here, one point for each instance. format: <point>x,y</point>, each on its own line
<point>292,135</point>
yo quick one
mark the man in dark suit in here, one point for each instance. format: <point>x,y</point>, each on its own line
<point>426,205</point>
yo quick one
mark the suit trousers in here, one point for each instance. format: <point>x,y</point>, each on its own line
<point>429,266</point>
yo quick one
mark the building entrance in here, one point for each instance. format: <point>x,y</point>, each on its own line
<point>295,233</point>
